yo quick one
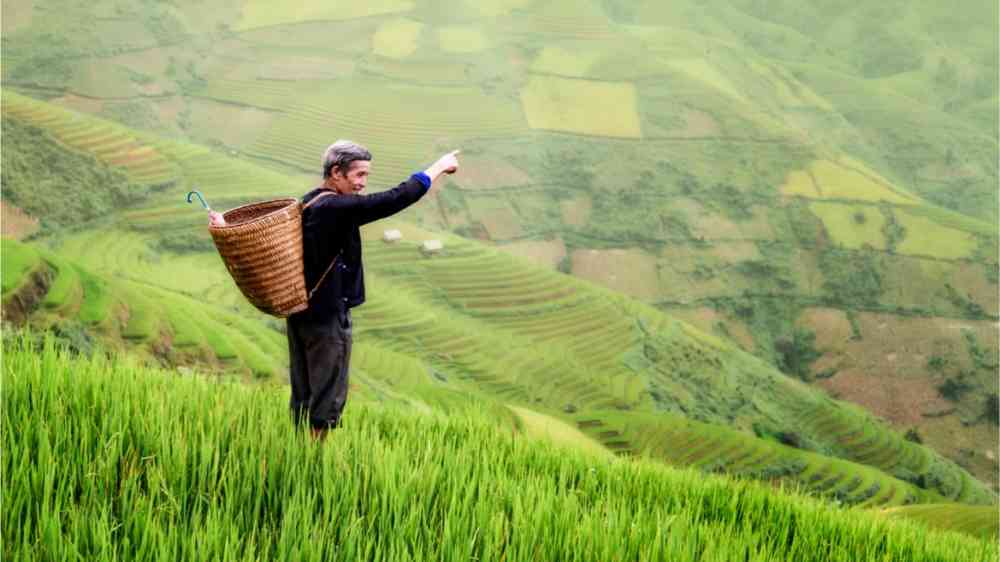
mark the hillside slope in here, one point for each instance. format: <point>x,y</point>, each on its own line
<point>394,484</point>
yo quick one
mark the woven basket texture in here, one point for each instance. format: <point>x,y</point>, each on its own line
<point>261,245</point>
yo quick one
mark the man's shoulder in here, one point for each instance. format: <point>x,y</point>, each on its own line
<point>311,194</point>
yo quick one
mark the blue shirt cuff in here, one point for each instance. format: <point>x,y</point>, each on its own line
<point>423,179</point>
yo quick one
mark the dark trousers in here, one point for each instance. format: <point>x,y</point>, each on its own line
<point>319,354</point>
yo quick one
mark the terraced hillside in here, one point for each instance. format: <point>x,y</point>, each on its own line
<point>111,143</point>
<point>821,198</point>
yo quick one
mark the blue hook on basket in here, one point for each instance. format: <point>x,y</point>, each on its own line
<point>202,199</point>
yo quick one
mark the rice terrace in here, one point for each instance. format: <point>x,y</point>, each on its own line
<point>703,281</point>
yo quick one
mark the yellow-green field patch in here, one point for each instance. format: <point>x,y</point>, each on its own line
<point>836,181</point>
<point>852,226</point>
<point>462,39</point>
<point>397,39</point>
<point>546,253</point>
<point>863,169</point>
<point>581,106</point>
<point>566,61</point>
<point>925,237</point>
<point>262,13</point>
<point>633,272</point>
<point>799,182</point>
<point>233,125</point>
<point>702,71</point>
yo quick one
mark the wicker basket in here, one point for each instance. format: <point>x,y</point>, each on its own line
<point>261,245</point>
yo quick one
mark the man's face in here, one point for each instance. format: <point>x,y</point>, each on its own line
<point>353,181</point>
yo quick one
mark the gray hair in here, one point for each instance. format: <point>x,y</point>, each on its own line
<point>340,154</point>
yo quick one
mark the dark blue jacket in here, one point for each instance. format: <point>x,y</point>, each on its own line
<point>331,228</point>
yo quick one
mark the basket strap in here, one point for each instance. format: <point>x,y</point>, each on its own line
<point>317,198</point>
<point>322,277</point>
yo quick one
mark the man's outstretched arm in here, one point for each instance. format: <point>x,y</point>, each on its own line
<point>368,208</point>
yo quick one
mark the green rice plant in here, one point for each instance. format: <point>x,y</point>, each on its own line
<point>217,336</point>
<point>97,298</point>
<point>65,290</point>
<point>185,329</point>
<point>155,464</point>
<point>978,521</point>
<point>260,364</point>
<point>18,261</point>
<point>143,314</point>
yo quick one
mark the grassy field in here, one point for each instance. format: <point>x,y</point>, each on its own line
<point>235,481</point>
<point>260,13</point>
<point>976,521</point>
<point>397,39</point>
<point>580,106</point>
<point>19,260</point>
<point>852,226</point>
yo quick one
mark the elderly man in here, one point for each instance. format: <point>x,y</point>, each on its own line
<point>319,338</point>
